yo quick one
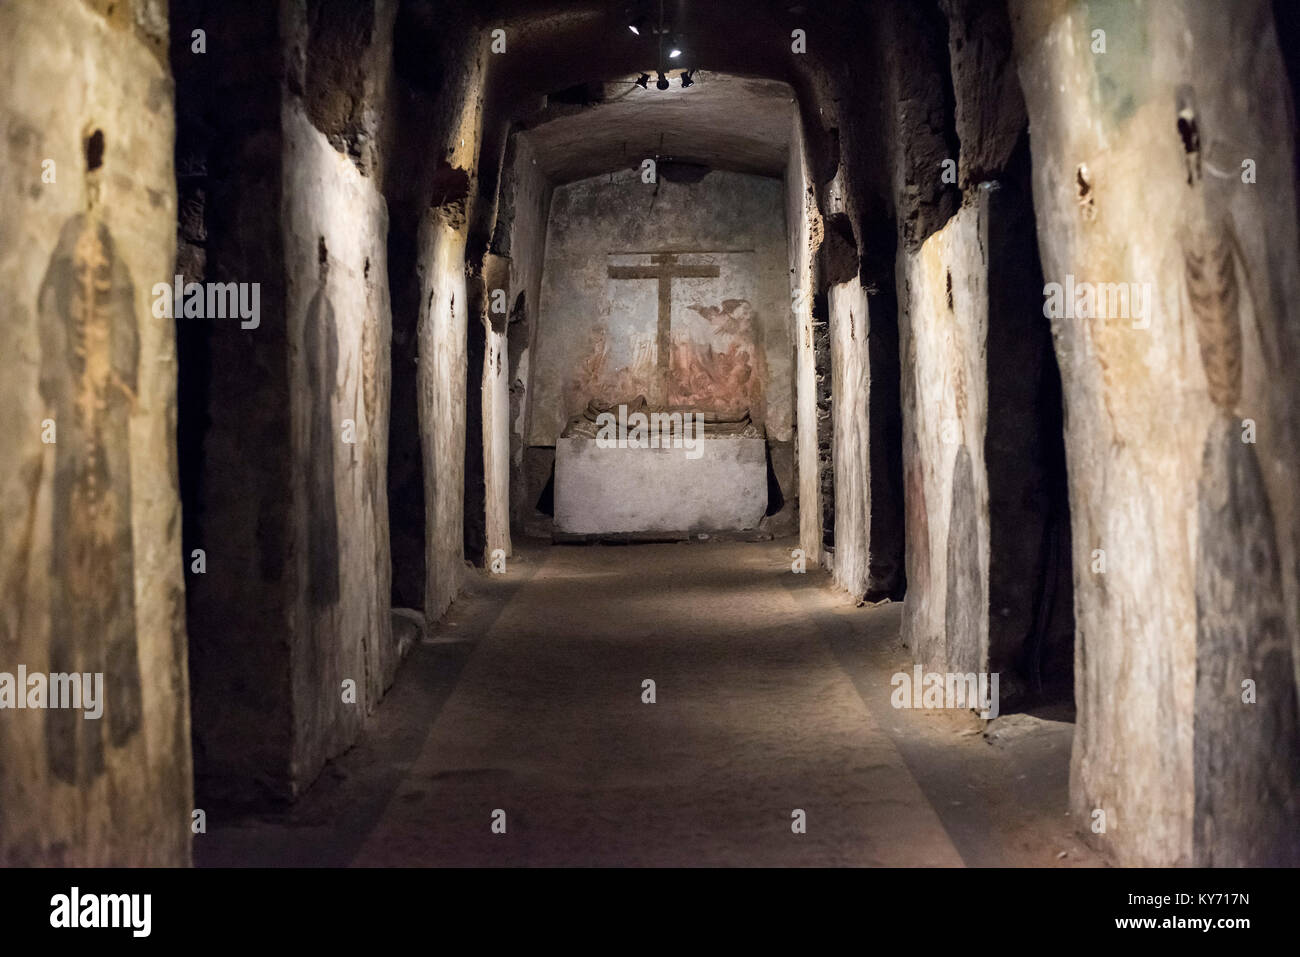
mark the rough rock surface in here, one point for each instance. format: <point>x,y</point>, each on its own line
<point>1151,190</point>
<point>89,502</point>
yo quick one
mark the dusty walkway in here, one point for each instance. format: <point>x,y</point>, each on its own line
<point>772,695</point>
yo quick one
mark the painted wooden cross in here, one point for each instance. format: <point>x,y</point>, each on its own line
<point>665,268</point>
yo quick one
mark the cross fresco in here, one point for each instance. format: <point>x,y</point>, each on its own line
<point>664,267</point>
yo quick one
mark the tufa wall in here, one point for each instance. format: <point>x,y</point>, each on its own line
<point>1181,428</point>
<point>287,483</point>
<point>90,535</point>
<point>731,347</point>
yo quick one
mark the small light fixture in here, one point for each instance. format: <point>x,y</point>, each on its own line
<point>642,80</point>
<point>636,25</point>
<point>686,79</point>
<point>674,53</point>
<point>662,82</point>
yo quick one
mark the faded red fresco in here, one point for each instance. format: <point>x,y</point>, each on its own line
<point>917,522</point>
<point>725,374</point>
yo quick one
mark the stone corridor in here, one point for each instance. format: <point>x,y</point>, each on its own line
<point>772,693</point>
<point>396,393</point>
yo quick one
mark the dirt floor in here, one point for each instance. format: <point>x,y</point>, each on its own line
<point>772,696</point>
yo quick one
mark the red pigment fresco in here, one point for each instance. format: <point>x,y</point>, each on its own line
<point>727,373</point>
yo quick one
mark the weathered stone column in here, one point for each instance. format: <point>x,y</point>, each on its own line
<point>292,632</point>
<point>1163,184</point>
<point>803,235</point>
<point>90,550</point>
<point>520,237</point>
<point>496,412</point>
<point>851,384</point>
<point>974,357</point>
<point>442,409</point>
<point>975,361</point>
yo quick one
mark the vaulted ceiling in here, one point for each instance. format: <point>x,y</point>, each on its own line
<point>722,122</point>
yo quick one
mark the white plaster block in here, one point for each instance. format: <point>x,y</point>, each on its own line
<point>599,490</point>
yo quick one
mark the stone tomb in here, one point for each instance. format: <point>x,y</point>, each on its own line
<point>669,472</point>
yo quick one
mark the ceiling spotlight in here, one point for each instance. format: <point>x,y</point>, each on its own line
<point>686,78</point>
<point>642,80</point>
<point>636,25</point>
<point>674,53</point>
<point>662,82</point>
